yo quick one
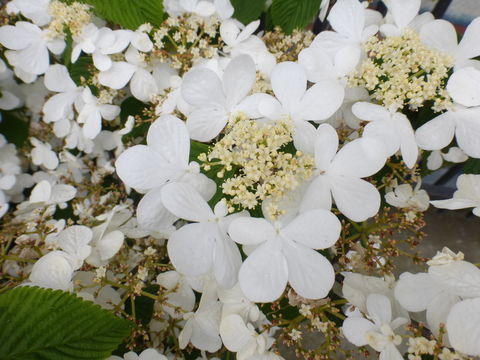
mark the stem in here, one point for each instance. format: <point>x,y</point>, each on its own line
<point>16,258</point>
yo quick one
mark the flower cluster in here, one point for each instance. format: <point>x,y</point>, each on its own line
<point>181,173</point>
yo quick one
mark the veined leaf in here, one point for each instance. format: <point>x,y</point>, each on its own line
<point>293,14</point>
<point>49,324</point>
<point>247,11</point>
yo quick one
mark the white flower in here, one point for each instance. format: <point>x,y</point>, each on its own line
<point>179,294</point>
<point>165,158</point>
<point>402,14</point>
<point>47,194</point>
<point>92,111</point>
<point>463,326</point>
<point>239,39</point>
<point>235,302</point>
<point>196,249</point>
<point>42,154</point>
<point>461,121</point>
<point>214,100</point>
<point>35,10</point>
<point>29,47</point>
<point>147,354</point>
<point>74,241</point>
<point>390,127</point>
<point>293,100</point>
<point>9,164</point>
<point>204,8</point>
<point>286,254</point>
<point>146,79</point>
<point>53,270</point>
<point>404,196</point>
<point>441,35</point>
<point>454,155</point>
<point>466,196</point>
<point>348,19</point>
<point>241,337</point>
<point>59,106</point>
<point>379,332</point>
<point>338,175</point>
<point>201,327</point>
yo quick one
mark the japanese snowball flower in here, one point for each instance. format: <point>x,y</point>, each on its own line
<point>29,46</point>
<point>461,121</point>
<point>214,100</point>
<point>441,35</point>
<point>391,127</point>
<point>180,292</point>
<point>403,14</point>
<point>348,20</point>
<point>35,10</point>
<point>377,332</point>
<point>404,196</point>
<point>147,354</point>
<point>338,175</point>
<point>463,326</point>
<point>453,155</point>
<point>286,253</point>
<point>165,158</point>
<point>239,39</point>
<point>43,155</point>
<point>293,100</point>
<point>466,196</point>
<point>198,248</point>
<point>53,270</point>
<point>241,337</point>
<point>204,8</point>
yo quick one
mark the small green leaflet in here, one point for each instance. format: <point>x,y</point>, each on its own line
<point>50,324</point>
<point>130,14</point>
<point>294,14</point>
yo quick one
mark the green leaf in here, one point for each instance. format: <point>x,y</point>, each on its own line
<point>129,13</point>
<point>14,127</point>
<point>49,324</point>
<point>247,11</point>
<point>293,14</point>
<point>81,69</point>
<point>472,166</point>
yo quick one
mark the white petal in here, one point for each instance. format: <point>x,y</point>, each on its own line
<point>304,136</point>
<point>110,244</point>
<point>360,158</point>
<point>309,273</point>
<point>251,231</point>
<point>168,135</point>
<point>59,107</point>
<point>16,37</point>
<point>57,78</point>
<point>109,112</point>
<point>201,87</point>
<point>234,332</point>
<point>118,76</point>
<point>357,199</point>
<point>347,17</point>
<point>206,123</point>
<point>318,195</point>
<point>41,192</point>
<point>141,168</point>
<point>415,291</point>
<point>408,144</point>
<point>370,112</point>
<point>459,277</point>
<point>289,83</point>
<point>463,327</point>
<point>62,193</point>
<point>464,86</point>
<point>468,131</point>
<point>379,309</point>
<point>102,62</point>
<point>191,249</point>
<point>143,85</point>
<point>437,133</point>
<point>226,261</point>
<point>53,270</point>
<point>404,11</point>
<point>440,34</point>
<point>438,310</point>
<point>74,240</point>
<point>152,215</point>
<point>469,46</point>
<point>321,101</point>
<point>263,275</point>
<point>317,229</point>
<point>184,201</point>
<point>238,79</point>
<point>326,145</point>
<point>92,120</point>
<point>355,330</point>
<point>390,353</point>
<point>229,31</point>
<point>317,63</point>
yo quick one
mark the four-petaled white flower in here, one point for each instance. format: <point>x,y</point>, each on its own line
<point>377,332</point>
<point>466,196</point>
<point>338,175</point>
<point>198,248</point>
<point>285,253</point>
